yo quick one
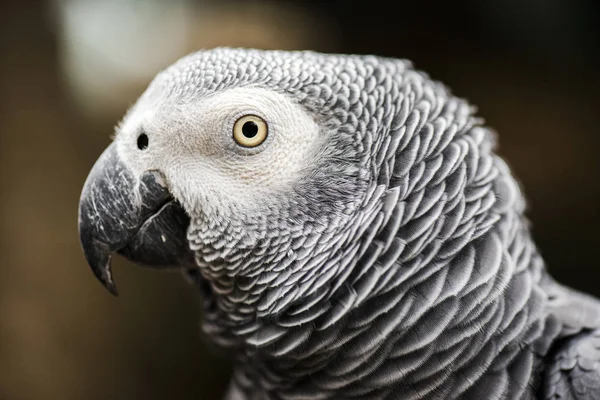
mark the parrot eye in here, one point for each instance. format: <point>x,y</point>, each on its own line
<point>142,141</point>
<point>250,131</point>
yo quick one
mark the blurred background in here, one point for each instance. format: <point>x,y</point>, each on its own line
<point>69,69</point>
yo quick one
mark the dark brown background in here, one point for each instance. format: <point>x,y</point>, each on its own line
<point>530,65</point>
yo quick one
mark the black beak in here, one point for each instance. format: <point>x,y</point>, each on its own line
<point>134,216</point>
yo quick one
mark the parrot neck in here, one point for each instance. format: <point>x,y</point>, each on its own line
<point>449,322</point>
<point>451,330</point>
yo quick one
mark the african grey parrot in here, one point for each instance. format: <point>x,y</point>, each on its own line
<point>349,226</point>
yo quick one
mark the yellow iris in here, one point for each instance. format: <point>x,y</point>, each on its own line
<point>250,131</point>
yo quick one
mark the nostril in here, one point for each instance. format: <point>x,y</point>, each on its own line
<point>142,141</point>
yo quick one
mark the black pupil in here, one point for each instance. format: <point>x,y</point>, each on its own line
<point>250,129</point>
<point>142,141</point>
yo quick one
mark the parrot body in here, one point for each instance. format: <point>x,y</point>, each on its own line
<point>350,229</point>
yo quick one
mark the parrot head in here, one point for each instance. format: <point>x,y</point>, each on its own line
<point>281,176</point>
<point>252,166</point>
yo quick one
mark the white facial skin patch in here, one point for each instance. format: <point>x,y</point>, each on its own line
<point>193,144</point>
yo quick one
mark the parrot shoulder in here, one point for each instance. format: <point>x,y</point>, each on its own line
<point>574,372</point>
